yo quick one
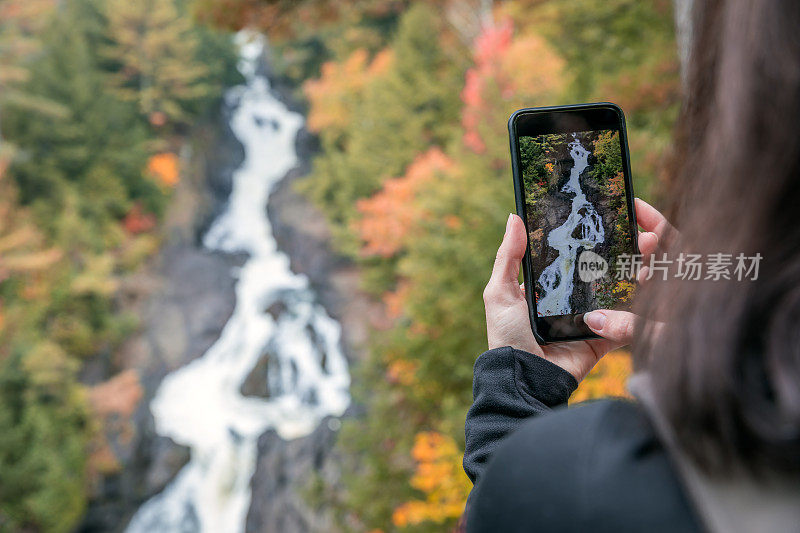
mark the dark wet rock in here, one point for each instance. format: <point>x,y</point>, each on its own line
<point>165,458</point>
<point>222,153</point>
<point>276,309</point>
<point>257,381</point>
<point>319,346</point>
<point>152,467</point>
<point>289,472</point>
<point>582,295</point>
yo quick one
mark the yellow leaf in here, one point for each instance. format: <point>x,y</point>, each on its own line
<point>439,477</point>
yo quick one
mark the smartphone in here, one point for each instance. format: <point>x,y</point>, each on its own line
<point>573,189</point>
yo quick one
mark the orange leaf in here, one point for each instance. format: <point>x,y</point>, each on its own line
<point>390,214</point>
<point>165,168</point>
<point>137,221</point>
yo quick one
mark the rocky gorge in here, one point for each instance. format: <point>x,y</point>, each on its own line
<point>184,298</point>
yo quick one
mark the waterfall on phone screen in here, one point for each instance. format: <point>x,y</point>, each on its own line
<point>583,229</point>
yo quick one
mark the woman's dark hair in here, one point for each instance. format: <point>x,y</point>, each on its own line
<point>726,365</point>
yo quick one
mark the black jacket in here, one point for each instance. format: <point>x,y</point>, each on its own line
<point>538,466</point>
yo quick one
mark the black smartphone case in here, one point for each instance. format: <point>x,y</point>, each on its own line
<point>519,194</point>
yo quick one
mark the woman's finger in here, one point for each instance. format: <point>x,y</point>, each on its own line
<point>616,326</point>
<point>643,275</point>
<point>651,219</point>
<point>648,243</point>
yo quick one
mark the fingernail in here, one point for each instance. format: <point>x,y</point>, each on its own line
<point>595,320</point>
<point>508,222</point>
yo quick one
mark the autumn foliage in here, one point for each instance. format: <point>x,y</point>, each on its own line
<point>279,18</point>
<point>388,216</point>
<point>23,251</point>
<point>138,221</point>
<point>87,89</point>
<point>438,476</point>
<point>331,95</point>
<point>164,168</point>
<point>503,69</point>
<point>607,378</point>
<point>113,403</point>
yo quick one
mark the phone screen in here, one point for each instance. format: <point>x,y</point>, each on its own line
<point>578,210</point>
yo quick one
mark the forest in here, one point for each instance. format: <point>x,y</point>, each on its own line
<point>407,101</point>
<point>95,98</point>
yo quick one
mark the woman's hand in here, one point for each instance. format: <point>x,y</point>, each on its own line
<point>507,320</point>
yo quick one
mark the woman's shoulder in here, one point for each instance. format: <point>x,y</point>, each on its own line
<point>595,466</point>
<point>615,419</point>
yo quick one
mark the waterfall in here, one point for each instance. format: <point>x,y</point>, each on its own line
<point>583,229</point>
<point>200,405</point>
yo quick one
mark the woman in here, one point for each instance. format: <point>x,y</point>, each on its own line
<point>713,442</point>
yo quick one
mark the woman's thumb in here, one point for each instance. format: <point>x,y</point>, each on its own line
<point>510,253</point>
<point>615,326</point>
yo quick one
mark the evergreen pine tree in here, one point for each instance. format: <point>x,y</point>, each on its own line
<point>42,410</point>
<point>155,47</point>
<point>21,22</point>
<point>95,151</point>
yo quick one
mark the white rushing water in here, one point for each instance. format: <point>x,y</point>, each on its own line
<point>200,405</point>
<point>582,229</point>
